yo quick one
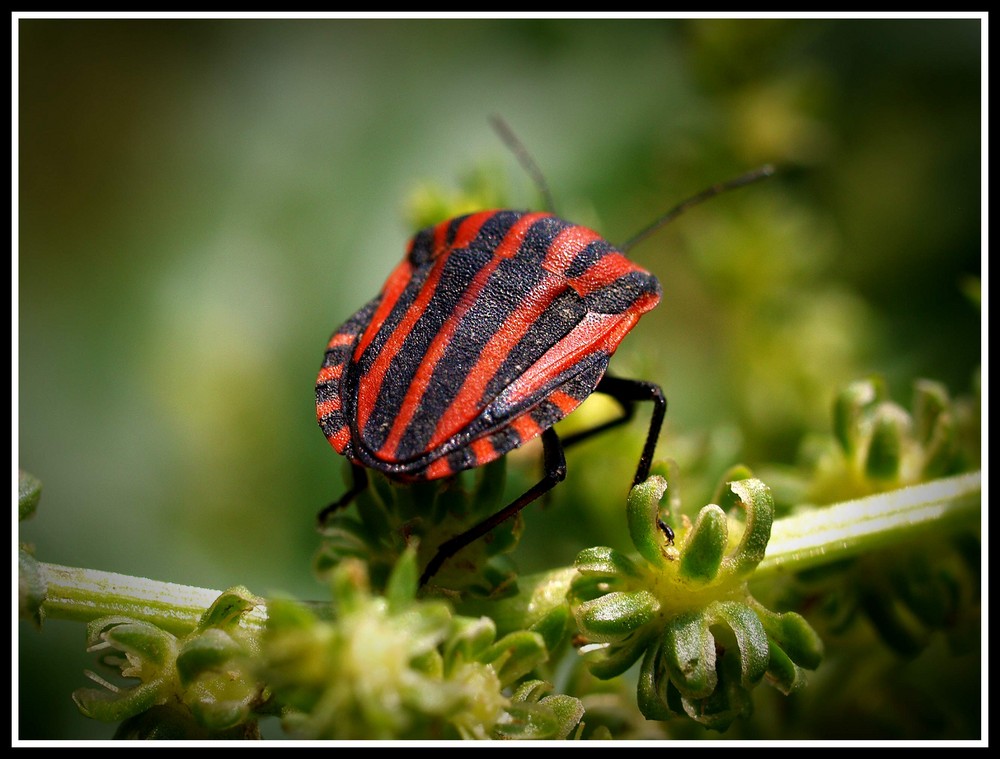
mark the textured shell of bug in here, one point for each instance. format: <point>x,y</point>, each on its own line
<point>493,328</point>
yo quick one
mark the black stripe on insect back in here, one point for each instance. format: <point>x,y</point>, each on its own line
<point>334,421</point>
<point>619,296</point>
<point>564,313</point>
<point>589,256</point>
<point>504,292</point>
<point>353,327</point>
<point>422,257</point>
<point>461,459</point>
<point>453,226</point>
<point>546,413</point>
<point>579,384</point>
<point>582,384</point>
<point>505,439</point>
<point>539,238</point>
<point>494,230</point>
<point>421,246</point>
<point>459,269</point>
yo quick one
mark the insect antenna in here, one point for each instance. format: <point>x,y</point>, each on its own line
<point>524,158</point>
<point>743,180</point>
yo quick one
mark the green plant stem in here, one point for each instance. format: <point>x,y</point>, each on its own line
<point>86,594</point>
<point>798,542</point>
<point>848,529</point>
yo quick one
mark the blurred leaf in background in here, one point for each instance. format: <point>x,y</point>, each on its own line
<point>202,202</point>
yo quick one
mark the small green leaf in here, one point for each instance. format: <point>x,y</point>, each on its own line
<point>515,655</point>
<point>471,639</point>
<point>206,651</point>
<point>885,452</point>
<point>141,639</point>
<point>554,626</point>
<point>531,691</point>
<point>688,653</point>
<point>651,702</point>
<point>643,512</point>
<point>29,491</point>
<point>612,659</point>
<point>568,712</point>
<point>727,702</point>
<point>404,580</point>
<point>229,608</point>
<point>285,615</point>
<point>751,639</point>
<point>849,409</point>
<point>930,401</point>
<point>705,545</point>
<point>606,563</point>
<point>793,634</point>
<point>527,722</point>
<point>614,615</point>
<point>781,671</point>
<point>755,497</point>
<point>106,706</point>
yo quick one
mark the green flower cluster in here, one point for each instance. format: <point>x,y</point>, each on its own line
<point>878,446</point>
<point>683,608</point>
<point>392,666</point>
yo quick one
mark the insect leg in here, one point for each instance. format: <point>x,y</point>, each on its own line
<point>359,482</point>
<point>555,472</point>
<point>627,392</point>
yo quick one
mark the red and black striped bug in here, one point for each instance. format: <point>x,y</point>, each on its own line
<point>494,327</point>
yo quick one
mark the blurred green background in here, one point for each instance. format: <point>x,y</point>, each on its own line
<point>203,202</point>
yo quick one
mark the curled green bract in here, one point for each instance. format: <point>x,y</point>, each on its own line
<point>683,607</point>
<point>201,684</point>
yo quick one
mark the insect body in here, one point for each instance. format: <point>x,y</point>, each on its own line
<point>493,328</point>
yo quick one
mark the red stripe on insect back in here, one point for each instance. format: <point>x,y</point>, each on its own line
<point>440,242</point>
<point>371,382</point>
<point>565,403</point>
<point>464,406</point>
<point>483,451</point>
<point>324,408</point>
<point>469,228</point>
<point>340,338</point>
<point>526,427</point>
<point>566,246</point>
<point>393,288</point>
<point>328,373</point>
<point>645,302</point>
<point>438,469</point>
<point>606,269</point>
<point>597,332</point>
<point>507,248</point>
<point>340,439</point>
